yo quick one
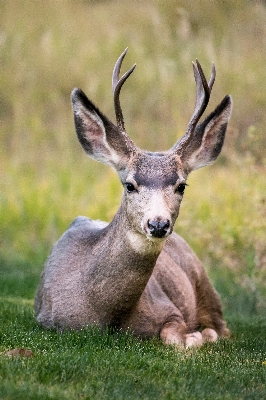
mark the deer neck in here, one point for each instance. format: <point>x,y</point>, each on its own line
<point>125,261</point>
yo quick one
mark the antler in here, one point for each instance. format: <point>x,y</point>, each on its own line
<point>117,85</point>
<point>203,92</point>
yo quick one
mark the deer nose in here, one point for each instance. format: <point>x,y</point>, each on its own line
<point>158,229</point>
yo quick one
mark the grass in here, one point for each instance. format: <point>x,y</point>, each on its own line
<point>114,365</point>
<point>46,181</point>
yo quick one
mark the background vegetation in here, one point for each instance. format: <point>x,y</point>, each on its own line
<point>47,49</point>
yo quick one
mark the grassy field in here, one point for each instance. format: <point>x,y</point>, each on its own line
<point>111,365</point>
<point>47,49</point>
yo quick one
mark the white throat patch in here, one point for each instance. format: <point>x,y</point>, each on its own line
<point>143,244</point>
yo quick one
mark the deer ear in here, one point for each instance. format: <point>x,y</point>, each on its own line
<point>208,137</point>
<point>98,136</point>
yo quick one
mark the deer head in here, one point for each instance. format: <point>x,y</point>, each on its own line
<point>154,183</point>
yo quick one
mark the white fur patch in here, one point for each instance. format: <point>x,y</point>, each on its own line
<point>142,244</point>
<point>156,207</point>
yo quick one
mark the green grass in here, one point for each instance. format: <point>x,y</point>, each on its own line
<point>47,49</point>
<point>114,365</point>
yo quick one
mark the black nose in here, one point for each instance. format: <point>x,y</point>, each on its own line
<point>158,228</point>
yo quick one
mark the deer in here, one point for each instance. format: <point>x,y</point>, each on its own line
<point>135,273</point>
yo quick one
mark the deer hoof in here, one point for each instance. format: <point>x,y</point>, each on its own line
<point>209,335</point>
<point>194,339</point>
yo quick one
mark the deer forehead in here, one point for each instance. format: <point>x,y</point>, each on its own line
<point>156,170</point>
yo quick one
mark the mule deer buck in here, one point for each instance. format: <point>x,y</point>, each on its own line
<point>135,272</point>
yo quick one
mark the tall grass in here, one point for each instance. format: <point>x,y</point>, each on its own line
<point>48,48</point>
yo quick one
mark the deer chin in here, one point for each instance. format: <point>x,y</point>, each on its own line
<point>144,243</point>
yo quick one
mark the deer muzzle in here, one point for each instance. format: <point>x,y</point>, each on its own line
<point>158,229</point>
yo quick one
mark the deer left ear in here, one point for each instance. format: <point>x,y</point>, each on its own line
<point>208,138</point>
<point>100,139</point>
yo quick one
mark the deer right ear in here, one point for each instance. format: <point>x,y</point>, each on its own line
<point>98,136</point>
<point>208,139</point>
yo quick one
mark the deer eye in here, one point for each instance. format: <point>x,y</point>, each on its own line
<point>181,188</point>
<point>130,187</point>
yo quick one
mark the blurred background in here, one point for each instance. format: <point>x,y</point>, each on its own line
<point>48,48</point>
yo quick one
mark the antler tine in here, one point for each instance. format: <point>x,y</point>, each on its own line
<point>212,78</point>
<point>203,94</point>
<point>117,85</point>
<point>117,67</point>
<point>203,91</point>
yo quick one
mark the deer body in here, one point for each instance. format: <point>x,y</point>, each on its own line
<point>135,272</point>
